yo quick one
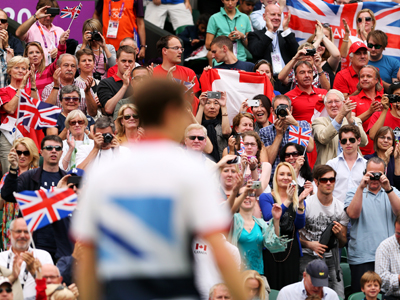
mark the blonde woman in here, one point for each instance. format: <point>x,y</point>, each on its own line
<point>279,268</point>
<point>25,153</point>
<point>128,124</point>
<point>93,39</point>
<point>254,285</point>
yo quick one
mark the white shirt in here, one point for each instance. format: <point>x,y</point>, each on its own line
<point>7,259</point>
<point>346,179</point>
<point>89,142</point>
<point>297,291</point>
<point>103,155</point>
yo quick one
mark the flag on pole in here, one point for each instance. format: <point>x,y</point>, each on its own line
<point>242,149</point>
<point>238,85</point>
<point>43,207</point>
<point>71,12</point>
<point>299,135</point>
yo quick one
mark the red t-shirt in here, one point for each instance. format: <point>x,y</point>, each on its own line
<point>363,103</point>
<point>6,94</point>
<point>346,81</point>
<point>304,104</point>
<point>112,71</point>
<point>390,121</point>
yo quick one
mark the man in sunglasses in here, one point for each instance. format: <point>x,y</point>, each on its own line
<point>6,291</point>
<point>6,38</point>
<point>389,67</point>
<point>323,209</point>
<point>372,208</point>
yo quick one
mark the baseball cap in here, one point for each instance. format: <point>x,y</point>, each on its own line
<point>76,172</point>
<point>356,46</point>
<point>4,280</point>
<point>318,271</point>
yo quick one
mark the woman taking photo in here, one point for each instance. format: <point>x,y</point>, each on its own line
<point>75,124</point>
<point>213,115</point>
<point>280,269</point>
<point>23,155</point>
<point>128,124</point>
<point>261,113</point>
<point>105,55</point>
<point>44,75</point>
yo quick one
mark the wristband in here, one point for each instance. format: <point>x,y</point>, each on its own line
<point>301,209</point>
<point>56,88</point>
<point>319,74</point>
<point>33,89</point>
<point>225,115</point>
<point>389,191</point>
<point>345,40</point>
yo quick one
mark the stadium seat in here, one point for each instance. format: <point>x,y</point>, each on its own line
<point>343,257</point>
<point>195,15</point>
<point>346,278</point>
<point>180,29</point>
<point>360,296</point>
<point>273,294</point>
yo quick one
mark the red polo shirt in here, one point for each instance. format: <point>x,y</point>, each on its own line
<point>390,121</point>
<point>304,104</point>
<point>363,103</point>
<point>346,81</point>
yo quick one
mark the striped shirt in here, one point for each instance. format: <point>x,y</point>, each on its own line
<point>3,68</point>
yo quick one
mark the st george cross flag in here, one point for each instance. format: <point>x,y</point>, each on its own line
<point>299,135</point>
<point>305,12</point>
<point>238,85</point>
<point>43,207</point>
<point>71,12</point>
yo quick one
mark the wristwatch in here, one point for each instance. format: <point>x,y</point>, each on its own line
<point>389,191</point>
<point>301,209</point>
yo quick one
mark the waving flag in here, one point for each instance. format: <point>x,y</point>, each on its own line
<point>299,135</point>
<point>71,12</point>
<point>238,85</point>
<point>305,12</point>
<point>42,207</point>
<point>242,149</point>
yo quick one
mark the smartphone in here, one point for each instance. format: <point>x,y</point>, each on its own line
<point>311,52</point>
<point>256,185</point>
<point>214,95</point>
<point>253,103</point>
<point>76,180</point>
<point>234,161</point>
<point>54,11</point>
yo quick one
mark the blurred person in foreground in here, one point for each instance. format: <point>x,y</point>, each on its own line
<point>155,264</point>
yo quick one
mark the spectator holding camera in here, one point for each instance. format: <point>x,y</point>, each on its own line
<point>374,199</point>
<point>93,39</point>
<point>40,28</point>
<point>276,135</point>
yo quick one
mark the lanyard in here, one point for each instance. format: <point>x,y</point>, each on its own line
<point>25,272</point>
<point>226,19</point>
<point>43,37</point>
<point>120,11</point>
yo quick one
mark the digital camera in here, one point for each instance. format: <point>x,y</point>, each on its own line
<point>107,137</point>
<point>311,52</point>
<point>375,176</point>
<point>281,111</point>
<point>95,36</point>
<point>393,98</point>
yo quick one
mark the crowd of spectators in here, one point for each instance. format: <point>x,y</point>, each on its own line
<point>294,207</point>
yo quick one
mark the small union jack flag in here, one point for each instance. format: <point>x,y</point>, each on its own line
<point>299,135</point>
<point>43,207</point>
<point>71,12</point>
<point>33,113</point>
<point>242,149</point>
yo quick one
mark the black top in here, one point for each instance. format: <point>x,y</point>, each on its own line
<point>15,44</point>
<point>109,87</point>
<point>239,66</point>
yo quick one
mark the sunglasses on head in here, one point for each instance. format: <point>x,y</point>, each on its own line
<point>127,117</point>
<point>367,19</point>
<point>344,141</point>
<point>73,123</point>
<point>326,25</point>
<point>325,180</point>
<point>7,289</point>
<point>370,45</point>
<point>25,153</point>
<point>294,154</point>
<point>50,148</point>
<point>3,21</point>
<point>193,137</point>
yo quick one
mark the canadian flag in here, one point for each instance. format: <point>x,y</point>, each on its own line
<point>238,85</point>
<point>201,247</point>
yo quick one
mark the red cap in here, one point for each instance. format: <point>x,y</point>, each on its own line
<point>356,46</point>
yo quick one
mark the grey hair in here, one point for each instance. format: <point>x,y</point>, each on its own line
<point>59,60</point>
<point>104,122</point>
<point>73,114</point>
<point>68,89</point>
<point>195,126</point>
<point>377,160</point>
<point>212,289</point>
<point>337,93</point>
<point>284,97</point>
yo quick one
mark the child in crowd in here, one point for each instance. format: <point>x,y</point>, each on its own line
<point>370,285</point>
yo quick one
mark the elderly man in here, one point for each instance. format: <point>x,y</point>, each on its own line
<point>52,275</point>
<point>374,199</point>
<point>315,281</point>
<point>346,80</point>
<point>65,75</point>
<point>325,129</point>
<point>219,291</point>
<point>40,28</point>
<point>20,240</point>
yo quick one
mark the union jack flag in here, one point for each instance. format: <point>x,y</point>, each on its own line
<point>299,135</point>
<point>305,12</point>
<point>33,113</point>
<point>242,149</point>
<point>43,207</point>
<point>71,12</point>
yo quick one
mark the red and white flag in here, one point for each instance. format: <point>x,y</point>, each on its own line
<point>238,85</point>
<point>201,247</point>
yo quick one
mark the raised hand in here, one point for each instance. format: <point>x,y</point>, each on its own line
<point>53,53</point>
<point>276,211</point>
<point>222,100</point>
<point>41,12</point>
<point>13,158</point>
<point>56,77</point>
<point>64,37</point>
<point>88,83</point>
<point>346,26</point>
<point>286,21</point>
<point>126,77</point>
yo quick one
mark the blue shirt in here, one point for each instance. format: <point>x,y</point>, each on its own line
<point>373,226</point>
<point>388,67</point>
<point>250,246</point>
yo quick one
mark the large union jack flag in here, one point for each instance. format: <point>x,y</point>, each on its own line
<point>305,12</point>
<point>299,135</point>
<point>43,207</point>
<point>33,113</point>
<point>71,12</point>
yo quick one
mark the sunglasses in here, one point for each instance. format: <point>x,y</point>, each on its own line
<point>344,141</point>
<point>367,19</point>
<point>193,137</point>
<point>75,99</point>
<point>127,117</point>
<point>7,289</point>
<point>325,180</point>
<point>370,45</point>
<point>73,123</point>
<point>25,153</point>
<point>50,148</point>
<point>294,154</point>
<point>326,25</point>
<point>3,21</point>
